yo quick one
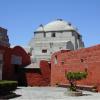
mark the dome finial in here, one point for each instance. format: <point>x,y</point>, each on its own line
<point>59,19</point>
<point>41,25</point>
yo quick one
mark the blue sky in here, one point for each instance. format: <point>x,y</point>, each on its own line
<point>22,17</point>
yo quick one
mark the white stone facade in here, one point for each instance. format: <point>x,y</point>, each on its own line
<point>55,36</point>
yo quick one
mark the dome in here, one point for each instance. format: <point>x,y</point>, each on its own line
<point>57,25</point>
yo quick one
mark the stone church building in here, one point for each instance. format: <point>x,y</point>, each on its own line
<point>54,36</point>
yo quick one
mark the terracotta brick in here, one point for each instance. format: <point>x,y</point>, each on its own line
<point>73,62</point>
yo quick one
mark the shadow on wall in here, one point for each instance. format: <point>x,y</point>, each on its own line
<point>34,76</point>
<point>20,75</point>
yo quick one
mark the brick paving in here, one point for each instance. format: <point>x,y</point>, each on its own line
<point>51,93</point>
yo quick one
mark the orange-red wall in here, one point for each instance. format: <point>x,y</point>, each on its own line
<point>55,73</point>
<point>39,79</point>
<point>46,71</point>
<point>72,61</point>
<point>25,76</point>
<point>8,68</point>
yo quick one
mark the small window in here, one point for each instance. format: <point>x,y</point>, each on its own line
<point>63,61</point>
<point>44,34</point>
<point>55,60</point>
<point>82,60</point>
<point>44,51</point>
<point>16,59</point>
<point>60,48</point>
<point>53,35</point>
<point>79,36</point>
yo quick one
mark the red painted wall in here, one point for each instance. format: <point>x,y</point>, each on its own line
<point>66,61</point>
<point>33,79</point>
<point>71,61</point>
<point>28,76</point>
<point>8,68</point>
<point>46,71</point>
<point>19,51</point>
<point>39,79</point>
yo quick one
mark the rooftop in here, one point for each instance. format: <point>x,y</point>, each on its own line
<point>56,25</point>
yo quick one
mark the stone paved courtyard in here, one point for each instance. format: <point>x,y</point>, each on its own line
<point>51,93</point>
